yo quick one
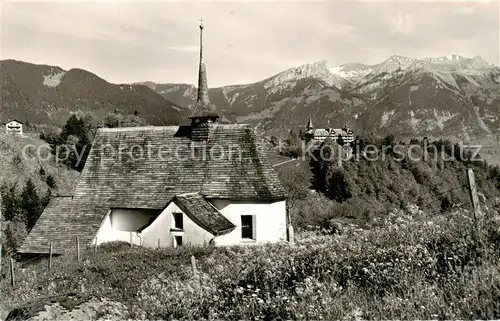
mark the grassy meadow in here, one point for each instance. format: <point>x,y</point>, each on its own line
<point>412,266</point>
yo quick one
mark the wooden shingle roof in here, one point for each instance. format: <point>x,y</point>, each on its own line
<point>176,160</point>
<point>203,213</point>
<point>61,222</point>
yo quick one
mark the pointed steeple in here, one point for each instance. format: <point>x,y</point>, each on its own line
<point>310,124</point>
<point>204,110</point>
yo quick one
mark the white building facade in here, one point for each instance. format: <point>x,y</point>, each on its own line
<point>14,127</point>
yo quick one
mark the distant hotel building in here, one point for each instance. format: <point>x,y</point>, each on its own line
<point>14,127</point>
<point>320,134</point>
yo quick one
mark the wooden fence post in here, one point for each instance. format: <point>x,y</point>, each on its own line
<point>475,203</point>
<point>130,239</point>
<point>95,245</point>
<point>12,278</point>
<point>77,249</point>
<point>158,242</point>
<point>50,256</point>
<point>291,234</point>
<point>193,264</point>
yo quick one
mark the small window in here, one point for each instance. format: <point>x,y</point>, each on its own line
<point>247,227</point>
<point>178,240</point>
<point>178,221</point>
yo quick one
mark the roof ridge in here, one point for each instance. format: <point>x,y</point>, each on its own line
<point>138,128</point>
<point>172,127</point>
<point>189,193</point>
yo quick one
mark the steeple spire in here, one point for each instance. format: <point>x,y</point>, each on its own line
<point>203,110</point>
<point>310,124</point>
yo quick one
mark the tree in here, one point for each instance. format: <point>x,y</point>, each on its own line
<point>76,137</point>
<point>322,160</point>
<point>338,185</point>
<point>293,145</point>
<point>51,182</point>
<point>119,120</point>
<point>387,144</point>
<point>74,126</point>
<point>30,203</point>
<point>10,202</point>
<point>15,233</point>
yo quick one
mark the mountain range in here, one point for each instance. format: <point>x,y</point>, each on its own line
<point>47,95</point>
<point>445,96</point>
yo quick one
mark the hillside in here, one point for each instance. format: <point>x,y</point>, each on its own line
<point>434,96</point>
<point>17,168</point>
<point>40,94</point>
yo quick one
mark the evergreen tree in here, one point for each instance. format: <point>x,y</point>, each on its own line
<point>74,126</point>
<point>30,203</point>
<point>51,182</point>
<point>293,145</point>
<point>15,233</point>
<point>75,138</point>
<point>338,185</point>
<point>10,202</point>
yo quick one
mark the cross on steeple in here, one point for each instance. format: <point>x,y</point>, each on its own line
<point>203,110</point>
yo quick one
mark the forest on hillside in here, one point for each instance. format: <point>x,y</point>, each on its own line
<point>322,191</point>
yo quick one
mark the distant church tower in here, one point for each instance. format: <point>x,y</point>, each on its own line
<point>309,133</point>
<point>310,125</point>
<point>204,111</point>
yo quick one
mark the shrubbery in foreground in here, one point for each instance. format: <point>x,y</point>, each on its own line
<point>410,268</point>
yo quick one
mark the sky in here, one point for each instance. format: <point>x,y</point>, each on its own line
<point>244,42</point>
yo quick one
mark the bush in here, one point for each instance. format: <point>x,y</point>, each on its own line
<point>13,236</point>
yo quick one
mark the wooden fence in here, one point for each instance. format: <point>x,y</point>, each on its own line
<point>14,266</point>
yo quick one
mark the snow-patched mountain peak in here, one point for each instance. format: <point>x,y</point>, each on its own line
<point>398,60</point>
<point>349,74</point>
<point>392,64</point>
<point>321,70</point>
<point>350,71</point>
<point>333,75</point>
<point>456,62</point>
